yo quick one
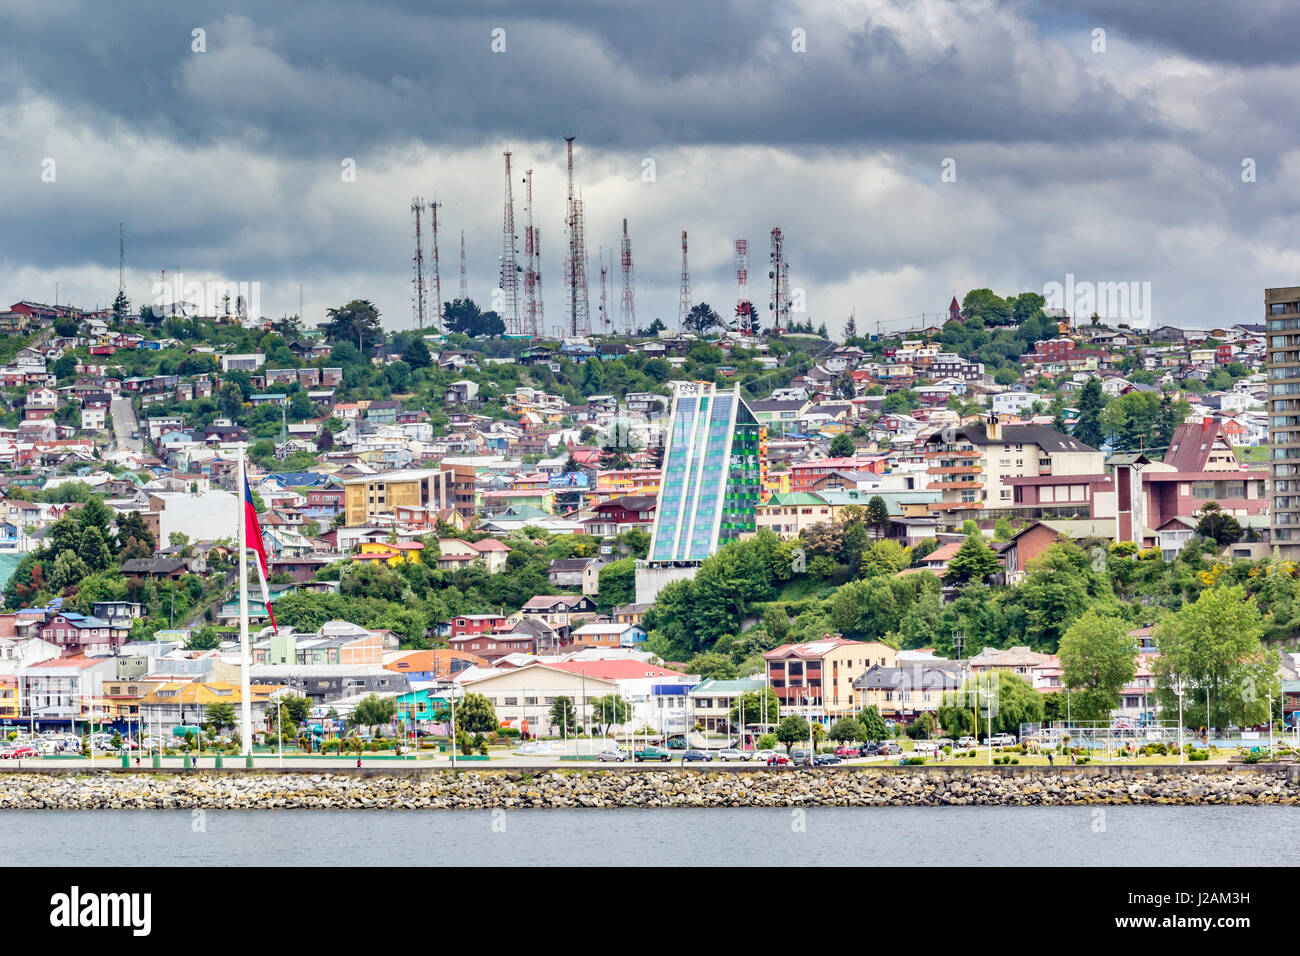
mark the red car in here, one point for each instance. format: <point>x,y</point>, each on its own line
<point>777,760</point>
<point>21,751</point>
<point>846,752</point>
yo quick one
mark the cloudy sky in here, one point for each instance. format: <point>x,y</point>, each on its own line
<point>1098,138</point>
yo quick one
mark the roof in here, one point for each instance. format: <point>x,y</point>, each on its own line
<point>616,669</point>
<point>810,649</point>
<point>915,677</point>
<point>714,686</point>
<point>1048,439</point>
<point>1192,443</point>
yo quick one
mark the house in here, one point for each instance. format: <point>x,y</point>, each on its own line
<point>617,515</point>
<point>817,676</point>
<point>155,568</point>
<point>711,702</point>
<point>609,635</point>
<point>575,573</point>
<point>558,610</point>
<point>904,692</point>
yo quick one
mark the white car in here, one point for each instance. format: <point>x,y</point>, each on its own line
<point>764,755</point>
<point>1002,740</point>
<point>925,747</point>
<point>966,742</point>
<point>607,755</point>
<point>731,753</point>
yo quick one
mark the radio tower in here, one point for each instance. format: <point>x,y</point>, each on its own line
<point>684,306</point>
<point>419,300</point>
<point>604,301</point>
<point>742,285</point>
<point>575,265</point>
<point>464,272</point>
<point>779,274</point>
<point>121,257</point>
<point>627,307</point>
<point>532,322</point>
<point>437,279</point>
<point>509,266</point>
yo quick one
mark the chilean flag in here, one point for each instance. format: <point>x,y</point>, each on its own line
<point>253,537</point>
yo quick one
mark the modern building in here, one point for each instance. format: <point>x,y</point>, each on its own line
<point>1282,361</point>
<point>711,485</point>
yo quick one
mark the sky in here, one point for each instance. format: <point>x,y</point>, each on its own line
<point>909,150</point>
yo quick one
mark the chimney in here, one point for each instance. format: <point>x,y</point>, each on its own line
<point>1206,423</point>
<point>994,428</point>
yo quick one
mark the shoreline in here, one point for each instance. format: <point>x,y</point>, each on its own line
<point>476,788</point>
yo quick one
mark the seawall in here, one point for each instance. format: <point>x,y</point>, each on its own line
<point>641,788</point>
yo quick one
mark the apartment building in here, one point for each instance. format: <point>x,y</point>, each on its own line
<point>970,464</point>
<point>1282,361</point>
<point>816,677</point>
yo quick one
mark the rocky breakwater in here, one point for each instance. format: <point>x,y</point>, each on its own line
<point>616,788</point>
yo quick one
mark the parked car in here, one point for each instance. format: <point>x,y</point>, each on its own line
<point>693,755</point>
<point>800,757</point>
<point>869,749</point>
<point>777,760</point>
<point>966,742</point>
<point>925,746</point>
<point>846,753</point>
<point>764,755</point>
<point>889,749</point>
<point>825,760</point>
<point>607,755</point>
<point>20,751</point>
<point>731,753</point>
<point>652,753</point>
<point>1002,740</point>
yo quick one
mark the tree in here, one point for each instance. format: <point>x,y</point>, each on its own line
<point>756,706</point>
<point>221,715</point>
<point>975,562</point>
<point>1088,429</point>
<point>609,710</point>
<point>846,729</point>
<point>701,319</point>
<point>465,317</point>
<point>563,716</point>
<point>68,570</point>
<point>476,715</point>
<point>356,323</point>
<point>1218,525</point>
<point>416,354</point>
<point>878,516</point>
<point>850,329</point>
<point>374,711</point>
<point>1000,698</point>
<point>873,725</point>
<point>1212,649</point>
<point>1098,658</point>
<point>842,446</point>
<point>791,730</point>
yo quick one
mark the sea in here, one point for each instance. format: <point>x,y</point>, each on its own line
<point>816,836</point>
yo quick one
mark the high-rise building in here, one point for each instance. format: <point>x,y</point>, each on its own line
<point>1282,317</point>
<point>709,491</point>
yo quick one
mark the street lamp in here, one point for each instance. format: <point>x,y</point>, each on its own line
<point>1178,689</point>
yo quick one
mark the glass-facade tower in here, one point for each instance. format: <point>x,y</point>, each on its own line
<point>708,494</point>
<point>1282,329</point>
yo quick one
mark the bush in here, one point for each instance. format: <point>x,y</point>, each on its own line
<point>1199,755</point>
<point>914,760</point>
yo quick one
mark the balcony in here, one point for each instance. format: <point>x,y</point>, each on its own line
<point>955,470</point>
<point>953,484</point>
<point>955,453</point>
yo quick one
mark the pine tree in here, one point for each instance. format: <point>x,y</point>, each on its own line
<point>1091,401</point>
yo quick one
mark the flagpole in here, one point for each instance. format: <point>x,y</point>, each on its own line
<point>245,656</point>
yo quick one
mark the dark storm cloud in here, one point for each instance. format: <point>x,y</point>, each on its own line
<point>301,77</point>
<point>1247,32</point>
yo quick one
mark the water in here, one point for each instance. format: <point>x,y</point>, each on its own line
<point>897,836</point>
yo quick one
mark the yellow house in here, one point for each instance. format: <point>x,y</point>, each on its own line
<point>391,553</point>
